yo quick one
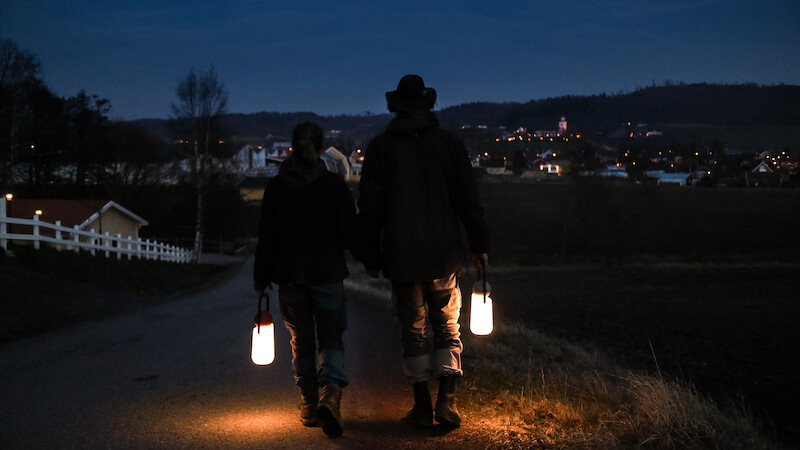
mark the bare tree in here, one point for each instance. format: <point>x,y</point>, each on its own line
<point>202,99</point>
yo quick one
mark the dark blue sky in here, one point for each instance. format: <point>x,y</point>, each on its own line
<point>333,57</point>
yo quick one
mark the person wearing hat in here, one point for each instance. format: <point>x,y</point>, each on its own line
<point>416,190</point>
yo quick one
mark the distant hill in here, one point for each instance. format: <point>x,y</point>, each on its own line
<point>706,104</point>
<point>709,105</point>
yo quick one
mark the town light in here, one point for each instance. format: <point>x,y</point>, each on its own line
<point>481,317</point>
<point>38,212</point>
<point>9,197</point>
<point>263,344</point>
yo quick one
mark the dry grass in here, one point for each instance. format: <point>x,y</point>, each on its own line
<point>528,390</point>
<point>535,391</point>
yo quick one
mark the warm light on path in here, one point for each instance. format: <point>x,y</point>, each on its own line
<point>179,375</point>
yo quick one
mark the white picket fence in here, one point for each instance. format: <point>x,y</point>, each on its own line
<point>73,239</point>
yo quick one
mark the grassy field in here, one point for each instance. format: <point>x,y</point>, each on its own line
<point>723,329</point>
<point>544,379</point>
<point>534,224</point>
<point>43,290</point>
<point>694,285</point>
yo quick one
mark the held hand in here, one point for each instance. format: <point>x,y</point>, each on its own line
<point>480,260</point>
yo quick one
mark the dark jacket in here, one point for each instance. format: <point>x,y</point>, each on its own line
<point>416,185</point>
<point>307,220</point>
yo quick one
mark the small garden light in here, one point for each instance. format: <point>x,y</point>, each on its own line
<point>481,317</point>
<point>263,344</point>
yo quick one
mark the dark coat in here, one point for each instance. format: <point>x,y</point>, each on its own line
<point>307,220</point>
<point>416,185</point>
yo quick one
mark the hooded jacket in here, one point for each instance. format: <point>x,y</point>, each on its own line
<point>307,220</point>
<point>416,190</point>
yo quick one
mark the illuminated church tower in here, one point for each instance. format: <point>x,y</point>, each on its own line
<point>562,126</point>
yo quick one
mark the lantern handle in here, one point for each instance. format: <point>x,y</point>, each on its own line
<point>483,272</point>
<point>260,297</point>
<point>258,313</point>
<point>484,283</point>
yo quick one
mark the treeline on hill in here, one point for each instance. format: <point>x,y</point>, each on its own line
<point>263,127</point>
<point>707,104</point>
<point>745,105</point>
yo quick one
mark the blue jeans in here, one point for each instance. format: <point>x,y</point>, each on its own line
<point>311,312</point>
<point>436,303</point>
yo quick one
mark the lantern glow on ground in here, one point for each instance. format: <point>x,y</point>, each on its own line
<point>235,422</point>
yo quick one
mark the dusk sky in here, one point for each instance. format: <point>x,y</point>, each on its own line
<point>334,57</point>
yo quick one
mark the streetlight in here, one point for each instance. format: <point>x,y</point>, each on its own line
<point>6,227</point>
<point>9,197</point>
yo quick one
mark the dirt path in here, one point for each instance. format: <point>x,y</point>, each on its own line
<point>178,375</point>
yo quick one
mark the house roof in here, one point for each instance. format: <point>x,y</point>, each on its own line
<point>69,212</point>
<point>763,167</point>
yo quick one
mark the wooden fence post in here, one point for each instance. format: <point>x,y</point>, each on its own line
<point>58,235</point>
<point>91,242</point>
<point>36,232</point>
<point>77,238</point>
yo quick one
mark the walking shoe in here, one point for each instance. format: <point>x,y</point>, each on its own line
<point>446,411</point>
<point>308,407</point>
<point>421,415</point>
<point>328,410</point>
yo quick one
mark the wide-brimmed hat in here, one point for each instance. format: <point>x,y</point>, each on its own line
<point>411,95</point>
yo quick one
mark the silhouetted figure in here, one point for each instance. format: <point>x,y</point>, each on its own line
<point>307,215</point>
<point>416,185</point>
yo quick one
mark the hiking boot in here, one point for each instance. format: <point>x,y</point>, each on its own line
<point>309,398</point>
<point>328,410</point>
<point>421,415</point>
<point>446,412</point>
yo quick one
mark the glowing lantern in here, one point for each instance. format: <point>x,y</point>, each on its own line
<point>263,346</point>
<point>481,318</point>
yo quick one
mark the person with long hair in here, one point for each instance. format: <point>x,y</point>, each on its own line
<point>307,217</point>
